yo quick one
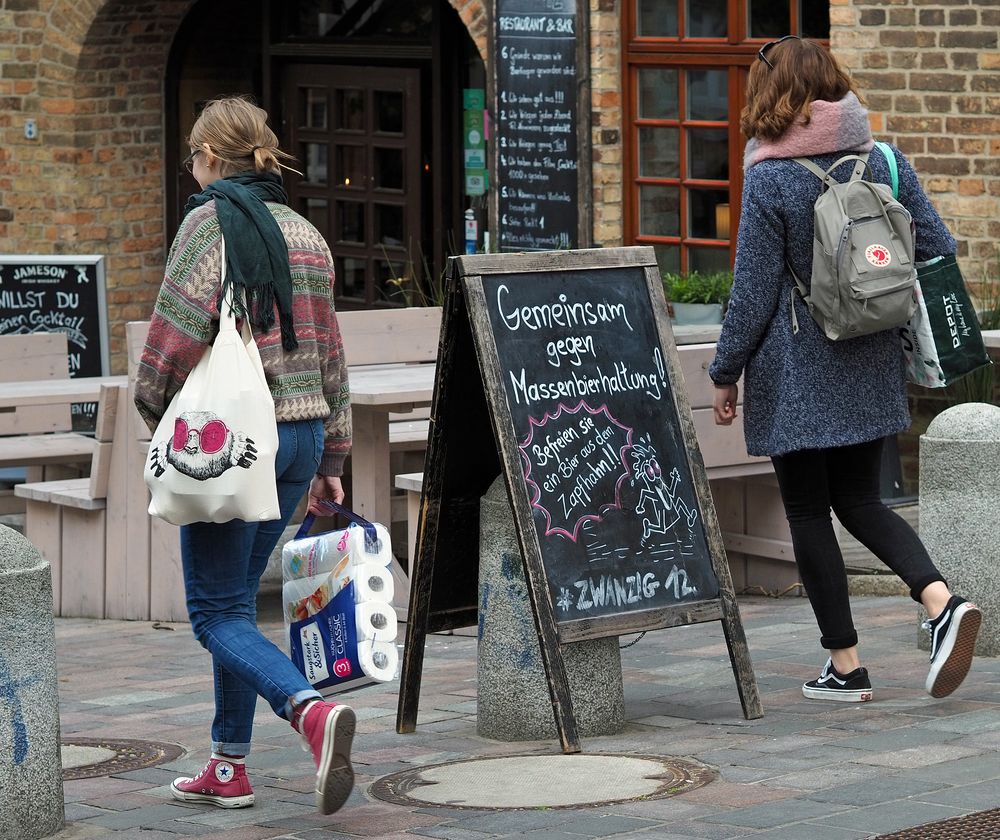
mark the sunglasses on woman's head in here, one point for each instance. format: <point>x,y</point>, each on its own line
<point>761,52</point>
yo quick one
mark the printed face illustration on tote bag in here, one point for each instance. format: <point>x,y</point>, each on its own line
<point>212,455</point>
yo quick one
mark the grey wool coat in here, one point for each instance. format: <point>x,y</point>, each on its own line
<point>803,391</point>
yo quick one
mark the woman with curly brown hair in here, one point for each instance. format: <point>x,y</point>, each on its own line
<point>820,408</point>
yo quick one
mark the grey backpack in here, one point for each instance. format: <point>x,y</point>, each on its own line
<point>863,270</point>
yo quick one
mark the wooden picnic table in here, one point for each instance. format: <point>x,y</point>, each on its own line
<point>375,393</point>
<point>55,391</point>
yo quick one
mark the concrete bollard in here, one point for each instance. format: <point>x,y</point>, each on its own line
<point>514,702</point>
<point>960,509</point>
<point>31,787</point>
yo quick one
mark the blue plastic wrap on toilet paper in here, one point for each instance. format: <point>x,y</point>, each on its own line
<point>324,646</point>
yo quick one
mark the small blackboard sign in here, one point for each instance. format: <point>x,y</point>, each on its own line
<point>537,165</point>
<point>580,382</point>
<point>45,293</point>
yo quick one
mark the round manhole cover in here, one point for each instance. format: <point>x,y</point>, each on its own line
<point>86,758</point>
<point>542,781</point>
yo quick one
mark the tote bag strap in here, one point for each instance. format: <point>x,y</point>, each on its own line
<point>371,535</point>
<point>227,320</point>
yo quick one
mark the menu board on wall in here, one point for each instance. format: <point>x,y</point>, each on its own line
<point>44,293</point>
<point>537,162</point>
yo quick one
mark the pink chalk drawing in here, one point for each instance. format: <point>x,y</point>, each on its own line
<point>575,465</point>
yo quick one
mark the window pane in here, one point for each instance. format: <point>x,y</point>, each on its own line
<point>656,18</point>
<point>313,107</point>
<point>706,221</point>
<point>657,93</point>
<point>351,109</point>
<point>351,217</point>
<point>814,18</point>
<point>706,259</point>
<point>317,211</point>
<point>389,169</point>
<point>315,156</point>
<point>708,153</point>
<point>350,167</point>
<point>659,155</point>
<point>351,277</point>
<point>770,19</point>
<point>389,111</point>
<point>707,18</point>
<point>708,95</point>
<point>391,281</point>
<point>668,258</point>
<point>389,228</point>
<point>659,211</point>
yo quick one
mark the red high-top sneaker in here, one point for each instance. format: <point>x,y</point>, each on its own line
<point>328,731</point>
<point>223,782</point>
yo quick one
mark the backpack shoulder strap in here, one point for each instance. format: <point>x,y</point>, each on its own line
<point>826,176</point>
<point>890,159</point>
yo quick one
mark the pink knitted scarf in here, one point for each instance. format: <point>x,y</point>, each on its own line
<point>835,127</point>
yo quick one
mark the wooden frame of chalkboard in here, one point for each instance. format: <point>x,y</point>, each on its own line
<point>537,100</point>
<point>60,293</point>
<point>567,361</point>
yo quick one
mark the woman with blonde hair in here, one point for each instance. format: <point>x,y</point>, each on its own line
<point>820,408</point>
<point>282,272</point>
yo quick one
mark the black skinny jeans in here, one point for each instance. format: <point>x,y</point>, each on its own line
<point>846,479</point>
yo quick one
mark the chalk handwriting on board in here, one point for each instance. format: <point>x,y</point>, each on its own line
<point>574,466</point>
<point>620,590</point>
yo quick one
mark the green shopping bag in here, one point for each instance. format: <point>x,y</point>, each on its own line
<point>942,341</point>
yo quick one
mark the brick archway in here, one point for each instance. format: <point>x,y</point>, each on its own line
<point>90,73</point>
<point>473,15</point>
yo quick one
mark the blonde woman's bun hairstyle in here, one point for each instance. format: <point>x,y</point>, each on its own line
<point>235,130</point>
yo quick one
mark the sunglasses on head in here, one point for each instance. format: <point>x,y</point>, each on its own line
<point>761,53</point>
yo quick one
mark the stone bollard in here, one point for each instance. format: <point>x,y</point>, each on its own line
<point>960,509</point>
<point>31,787</point>
<point>514,701</point>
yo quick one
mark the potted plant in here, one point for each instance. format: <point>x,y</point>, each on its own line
<point>696,297</point>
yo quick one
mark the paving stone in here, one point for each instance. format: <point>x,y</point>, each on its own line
<point>681,699</point>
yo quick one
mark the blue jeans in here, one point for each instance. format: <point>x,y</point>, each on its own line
<point>223,564</point>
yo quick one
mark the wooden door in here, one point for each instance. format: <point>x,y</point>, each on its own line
<point>355,132</point>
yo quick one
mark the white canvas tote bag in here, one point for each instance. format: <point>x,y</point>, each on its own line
<point>211,458</point>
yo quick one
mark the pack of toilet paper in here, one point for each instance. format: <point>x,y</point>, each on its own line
<point>337,597</point>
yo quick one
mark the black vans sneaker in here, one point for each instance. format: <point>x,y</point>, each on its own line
<point>854,687</point>
<point>953,639</point>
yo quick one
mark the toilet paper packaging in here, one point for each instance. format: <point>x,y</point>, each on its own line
<point>339,621</point>
<point>322,553</point>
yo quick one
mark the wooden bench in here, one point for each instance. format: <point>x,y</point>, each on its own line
<point>65,520</point>
<point>38,437</point>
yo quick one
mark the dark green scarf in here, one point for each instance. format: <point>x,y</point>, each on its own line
<point>256,251</point>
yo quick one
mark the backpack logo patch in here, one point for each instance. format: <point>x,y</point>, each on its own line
<point>878,255</point>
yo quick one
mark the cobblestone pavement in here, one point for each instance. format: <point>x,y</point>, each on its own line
<point>807,770</point>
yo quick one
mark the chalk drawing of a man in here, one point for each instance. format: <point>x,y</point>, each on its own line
<point>664,505</point>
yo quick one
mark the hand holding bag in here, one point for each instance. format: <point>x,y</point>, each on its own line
<point>211,458</point>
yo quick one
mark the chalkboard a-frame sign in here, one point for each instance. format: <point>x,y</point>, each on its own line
<point>559,370</point>
<point>47,293</point>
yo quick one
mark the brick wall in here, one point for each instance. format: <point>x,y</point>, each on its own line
<point>929,69</point>
<point>606,125</point>
<point>90,73</point>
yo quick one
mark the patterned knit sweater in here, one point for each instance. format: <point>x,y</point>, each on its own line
<point>801,390</point>
<point>307,383</point>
